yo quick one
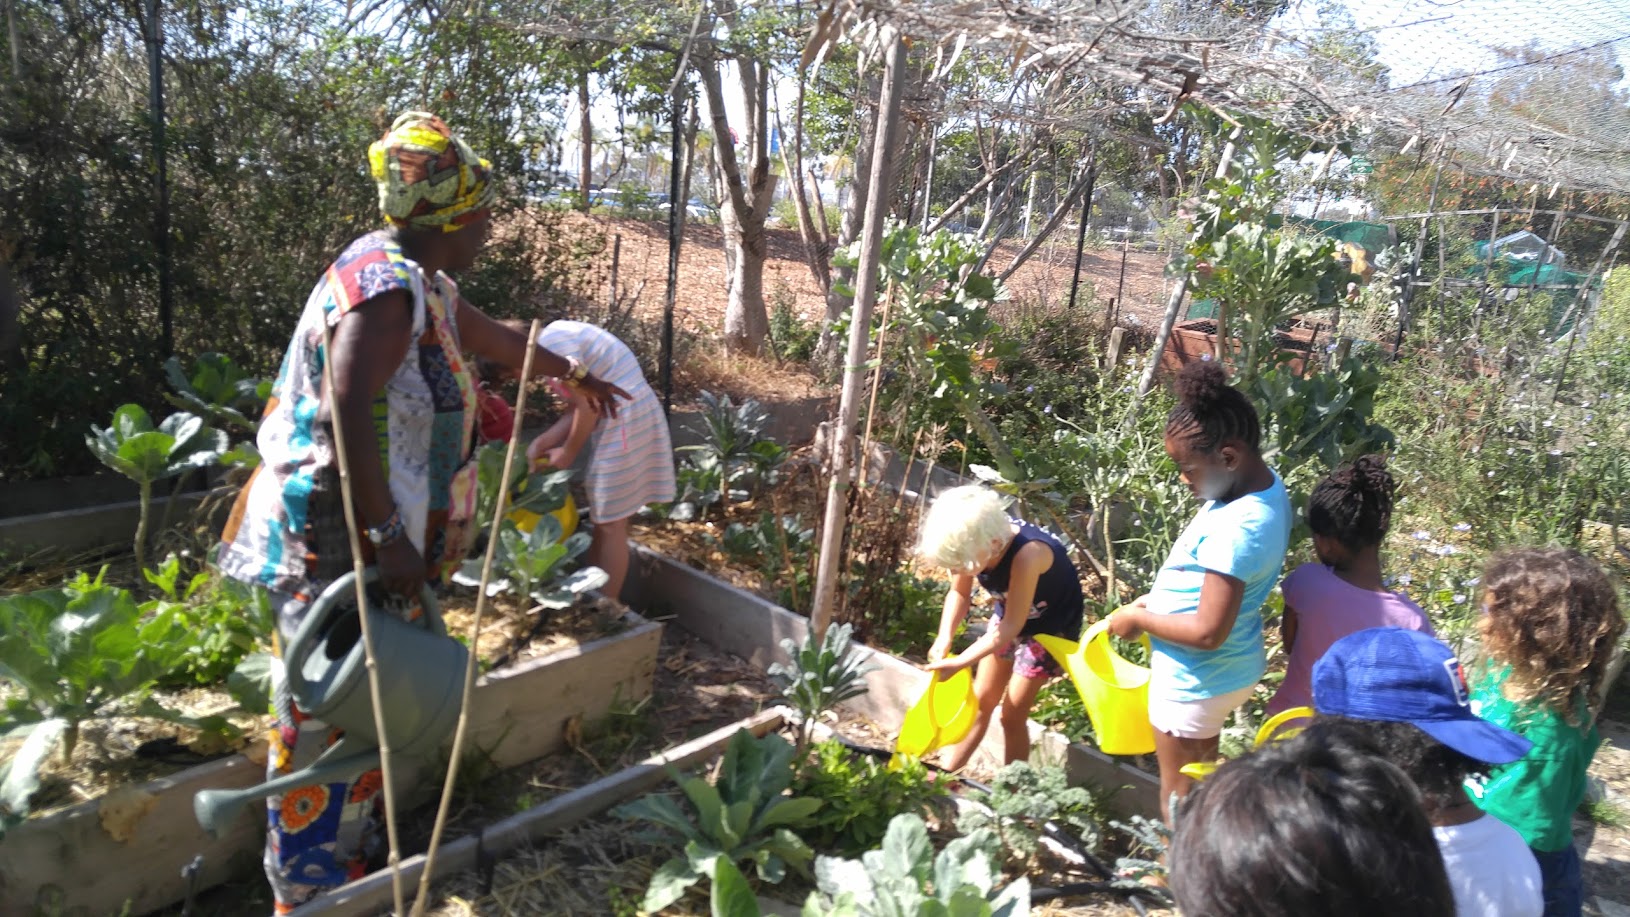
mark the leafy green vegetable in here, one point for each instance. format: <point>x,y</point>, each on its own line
<point>132,446</point>
<point>904,877</point>
<point>220,390</point>
<point>819,676</point>
<point>1023,799</point>
<point>745,815</point>
<point>862,795</point>
<point>74,650</point>
<point>534,564</point>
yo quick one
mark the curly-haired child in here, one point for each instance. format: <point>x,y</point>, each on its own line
<point>1551,622</point>
<point>1204,612</point>
<point>1349,513</point>
<point>969,533</point>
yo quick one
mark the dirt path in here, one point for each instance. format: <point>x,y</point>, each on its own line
<point>1042,280</point>
<point>1606,847</point>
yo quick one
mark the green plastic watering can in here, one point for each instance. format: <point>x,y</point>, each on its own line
<point>421,680</point>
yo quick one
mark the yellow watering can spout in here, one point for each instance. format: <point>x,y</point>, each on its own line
<point>943,715</point>
<point>1114,689</point>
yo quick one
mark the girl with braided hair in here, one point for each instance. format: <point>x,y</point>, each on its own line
<point>1204,612</point>
<point>1349,513</point>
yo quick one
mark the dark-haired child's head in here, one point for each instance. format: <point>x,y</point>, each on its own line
<point>1350,510</point>
<point>1316,824</point>
<point>1552,615</point>
<point>1438,771</point>
<point>1213,433</point>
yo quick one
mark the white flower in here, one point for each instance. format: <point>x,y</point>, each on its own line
<point>1472,582</point>
<point>1460,598</point>
<point>1406,579</point>
<point>1422,535</point>
<point>1447,550</point>
<point>1463,526</point>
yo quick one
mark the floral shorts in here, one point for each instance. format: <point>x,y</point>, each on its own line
<point>1030,658</point>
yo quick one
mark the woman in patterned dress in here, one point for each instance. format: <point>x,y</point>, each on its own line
<point>392,321</point>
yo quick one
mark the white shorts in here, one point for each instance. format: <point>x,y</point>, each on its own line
<point>1195,719</point>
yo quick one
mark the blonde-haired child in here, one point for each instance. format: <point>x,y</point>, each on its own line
<point>968,533</point>
<point>1551,622</point>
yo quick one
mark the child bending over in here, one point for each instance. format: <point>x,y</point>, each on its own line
<point>1037,591</point>
<point>1550,624</point>
<point>630,462</point>
<point>1349,513</point>
<point>1204,612</point>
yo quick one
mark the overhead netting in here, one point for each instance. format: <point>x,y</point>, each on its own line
<point>1534,92</point>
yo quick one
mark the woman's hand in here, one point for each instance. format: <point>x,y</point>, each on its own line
<point>939,650</point>
<point>601,395</point>
<point>401,569</point>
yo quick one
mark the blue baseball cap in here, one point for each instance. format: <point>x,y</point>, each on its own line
<point>1403,676</point>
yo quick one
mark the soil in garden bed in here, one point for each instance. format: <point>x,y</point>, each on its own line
<point>604,864</point>
<point>697,689</point>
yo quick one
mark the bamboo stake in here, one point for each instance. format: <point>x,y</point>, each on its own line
<point>473,665</point>
<point>371,664</point>
<point>877,381</point>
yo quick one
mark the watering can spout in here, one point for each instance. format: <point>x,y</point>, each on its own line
<point>217,809</point>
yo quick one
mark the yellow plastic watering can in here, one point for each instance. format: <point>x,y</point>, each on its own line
<point>526,520</point>
<point>1114,689</point>
<point>1271,731</point>
<point>943,715</point>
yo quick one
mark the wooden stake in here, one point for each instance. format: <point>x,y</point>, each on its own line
<point>472,666</point>
<point>371,664</point>
<point>871,243</point>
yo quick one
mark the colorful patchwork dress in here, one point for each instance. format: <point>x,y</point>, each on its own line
<point>287,532</point>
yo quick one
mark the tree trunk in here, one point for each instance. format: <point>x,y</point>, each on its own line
<point>746,201</point>
<point>585,129</point>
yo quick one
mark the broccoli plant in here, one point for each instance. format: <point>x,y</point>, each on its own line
<point>734,457</point>
<point>132,446</point>
<point>533,565</point>
<point>744,816</point>
<point>220,390</point>
<point>73,651</point>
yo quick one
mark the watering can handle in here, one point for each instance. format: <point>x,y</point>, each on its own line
<point>1100,630</point>
<point>342,590</point>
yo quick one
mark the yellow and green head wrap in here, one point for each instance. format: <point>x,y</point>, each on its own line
<point>428,178</point>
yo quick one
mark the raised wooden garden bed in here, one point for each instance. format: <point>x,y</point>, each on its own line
<point>1196,339</point>
<point>126,851</point>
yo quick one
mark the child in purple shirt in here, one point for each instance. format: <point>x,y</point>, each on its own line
<point>1349,513</point>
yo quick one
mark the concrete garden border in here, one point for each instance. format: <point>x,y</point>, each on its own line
<point>130,846</point>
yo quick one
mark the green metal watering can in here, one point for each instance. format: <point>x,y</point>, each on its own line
<point>421,680</point>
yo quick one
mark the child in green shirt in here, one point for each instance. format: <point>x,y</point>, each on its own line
<point>1552,620</point>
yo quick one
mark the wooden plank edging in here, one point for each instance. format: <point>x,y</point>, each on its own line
<point>371,894</point>
<point>518,714</point>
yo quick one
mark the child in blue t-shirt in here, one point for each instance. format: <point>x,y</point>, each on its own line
<point>1204,613</point>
